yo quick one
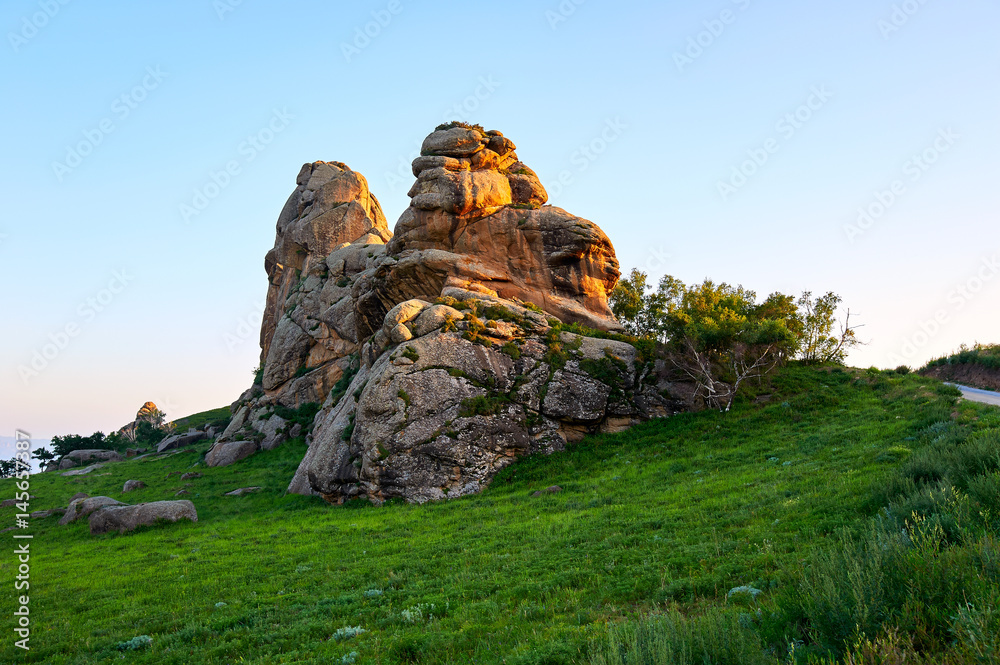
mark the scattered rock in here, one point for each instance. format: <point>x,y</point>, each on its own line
<point>82,456</point>
<point>243,490</point>
<point>127,518</point>
<point>84,471</point>
<point>226,453</point>
<point>132,485</point>
<point>179,441</point>
<point>78,495</point>
<point>41,514</point>
<point>82,507</point>
<point>190,475</point>
<point>7,503</point>
<point>182,493</point>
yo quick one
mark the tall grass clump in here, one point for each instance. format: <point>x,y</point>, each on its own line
<point>673,639</point>
<point>921,584</point>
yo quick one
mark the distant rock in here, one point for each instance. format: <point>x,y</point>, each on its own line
<point>147,412</point>
<point>128,518</point>
<point>179,441</point>
<point>84,471</point>
<point>82,507</point>
<point>102,455</point>
<point>132,485</point>
<point>189,475</point>
<point>76,457</point>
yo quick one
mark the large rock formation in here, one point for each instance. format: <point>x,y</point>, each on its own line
<point>476,222</point>
<point>439,358</point>
<point>330,229</point>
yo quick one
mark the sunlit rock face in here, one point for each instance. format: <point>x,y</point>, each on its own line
<point>437,355</point>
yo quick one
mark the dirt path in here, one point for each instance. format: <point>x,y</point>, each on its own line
<point>977,395</point>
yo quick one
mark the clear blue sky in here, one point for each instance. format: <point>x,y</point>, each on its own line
<point>164,94</point>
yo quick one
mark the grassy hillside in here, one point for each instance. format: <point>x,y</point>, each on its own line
<point>218,417</point>
<point>978,367</point>
<point>665,518</point>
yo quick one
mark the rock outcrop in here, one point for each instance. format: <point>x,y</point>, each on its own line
<point>330,229</point>
<point>479,333</point>
<point>77,457</point>
<point>478,382</point>
<point>476,221</point>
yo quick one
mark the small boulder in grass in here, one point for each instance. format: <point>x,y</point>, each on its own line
<point>132,485</point>
<point>79,495</point>
<point>190,475</point>
<point>552,489</point>
<point>41,514</point>
<point>7,503</point>
<point>82,507</point>
<point>128,518</point>
<point>243,490</point>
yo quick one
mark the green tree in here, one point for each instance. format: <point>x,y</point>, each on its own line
<point>639,308</point>
<point>819,342</point>
<point>720,337</point>
<point>10,467</point>
<point>43,455</point>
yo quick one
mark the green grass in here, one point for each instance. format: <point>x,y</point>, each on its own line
<point>197,420</point>
<point>666,517</point>
<point>987,355</point>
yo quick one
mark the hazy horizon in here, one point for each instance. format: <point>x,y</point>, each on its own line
<point>843,147</point>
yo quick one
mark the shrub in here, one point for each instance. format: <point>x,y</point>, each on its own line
<point>135,644</point>
<point>482,405</point>
<point>347,632</point>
